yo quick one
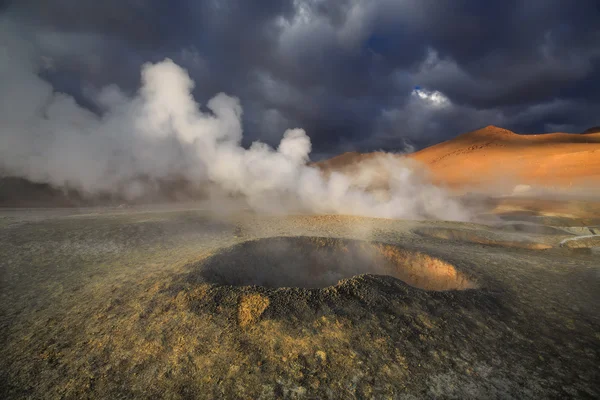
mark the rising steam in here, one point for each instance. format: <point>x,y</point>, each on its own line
<point>161,134</point>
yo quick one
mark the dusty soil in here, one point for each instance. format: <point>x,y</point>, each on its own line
<point>117,304</point>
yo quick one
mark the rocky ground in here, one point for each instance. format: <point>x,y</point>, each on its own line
<point>107,303</point>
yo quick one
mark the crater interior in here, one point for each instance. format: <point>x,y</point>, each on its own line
<point>318,262</point>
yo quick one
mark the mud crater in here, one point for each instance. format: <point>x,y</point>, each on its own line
<point>317,262</point>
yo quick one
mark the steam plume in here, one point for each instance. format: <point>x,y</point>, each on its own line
<point>161,133</point>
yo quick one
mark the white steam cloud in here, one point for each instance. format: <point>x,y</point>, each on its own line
<point>161,133</point>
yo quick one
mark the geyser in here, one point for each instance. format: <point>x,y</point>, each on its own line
<point>318,262</point>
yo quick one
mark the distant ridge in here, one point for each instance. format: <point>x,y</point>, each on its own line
<point>19,192</point>
<point>490,157</point>
<point>595,129</point>
<point>345,159</point>
<point>499,159</point>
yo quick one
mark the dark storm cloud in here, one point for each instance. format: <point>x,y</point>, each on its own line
<point>521,54</point>
<point>343,70</point>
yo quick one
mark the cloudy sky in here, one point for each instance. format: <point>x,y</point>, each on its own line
<point>355,74</point>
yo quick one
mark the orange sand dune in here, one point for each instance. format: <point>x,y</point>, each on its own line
<point>498,160</point>
<point>496,156</point>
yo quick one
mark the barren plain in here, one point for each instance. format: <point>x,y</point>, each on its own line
<point>159,303</point>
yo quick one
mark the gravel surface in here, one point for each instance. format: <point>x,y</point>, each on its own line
<point>113,303</point>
